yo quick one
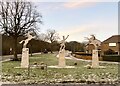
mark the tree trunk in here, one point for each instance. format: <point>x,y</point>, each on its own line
<point>15,49</point>
<point>31,49</point>
<point>51,47</point>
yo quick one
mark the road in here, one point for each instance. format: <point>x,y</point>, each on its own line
<point>8,57</point>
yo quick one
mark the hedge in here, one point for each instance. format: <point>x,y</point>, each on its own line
<point>113,58</point>
<point>86,56</point>
<point>82,53</point>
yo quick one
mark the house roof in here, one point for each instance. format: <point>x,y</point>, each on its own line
<point>112,39</point>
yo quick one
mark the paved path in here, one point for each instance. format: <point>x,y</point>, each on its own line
<point>8,57</point>
<point>71,57</point>
<point>99,61</point>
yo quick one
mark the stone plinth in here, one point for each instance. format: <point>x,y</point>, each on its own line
<point>61,67</point>
<point>95,59</point>
<point>62,58</point>
<point>25,58</point>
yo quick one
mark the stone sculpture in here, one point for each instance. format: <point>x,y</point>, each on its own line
<point>25,51</point>
<point>62,53</point>
<point>96,43</point>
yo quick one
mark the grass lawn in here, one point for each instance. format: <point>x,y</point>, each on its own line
<point>80,74</point>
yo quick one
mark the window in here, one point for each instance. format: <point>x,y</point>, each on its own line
<point>112,44</point>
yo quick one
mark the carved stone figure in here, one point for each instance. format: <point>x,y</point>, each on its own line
<point>94,41</point>
<point>29,37</point>
<point>62,43</point>
<point>25,51</point>
<point>62,53</point>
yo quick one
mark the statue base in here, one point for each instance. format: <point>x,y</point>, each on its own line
<point>62,58</point>
<point>95,59</point>
<point>25,58</point>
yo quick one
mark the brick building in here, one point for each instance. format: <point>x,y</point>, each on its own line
<point>112,43</point>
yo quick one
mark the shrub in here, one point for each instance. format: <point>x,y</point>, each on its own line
<point>113,58</point>
<point>110,52</point>
<point>86,56</point>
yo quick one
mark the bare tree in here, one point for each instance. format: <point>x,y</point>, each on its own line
<point>43,37</point>
<point>17,18</point>
<point>51,36</point>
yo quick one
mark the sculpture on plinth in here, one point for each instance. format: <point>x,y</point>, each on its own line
<point>96,43</point>
<point>25,51</point>
<point>62,52</point>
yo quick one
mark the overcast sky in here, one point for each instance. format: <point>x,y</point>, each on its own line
<point>80,19</point>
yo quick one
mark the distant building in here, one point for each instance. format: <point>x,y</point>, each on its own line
<point>112,43</point>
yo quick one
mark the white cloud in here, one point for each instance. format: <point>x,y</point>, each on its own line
<point>101,30</point>
<point>78,29</point>
<point>63,0</point>
<point>69,0</point>
<point>49,7</point>
<point>77,4</point>
<point>77,33</point>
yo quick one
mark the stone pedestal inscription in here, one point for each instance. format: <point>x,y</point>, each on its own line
<point>25,58</point>
<point>62,59</point>
<point>95,59</point>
